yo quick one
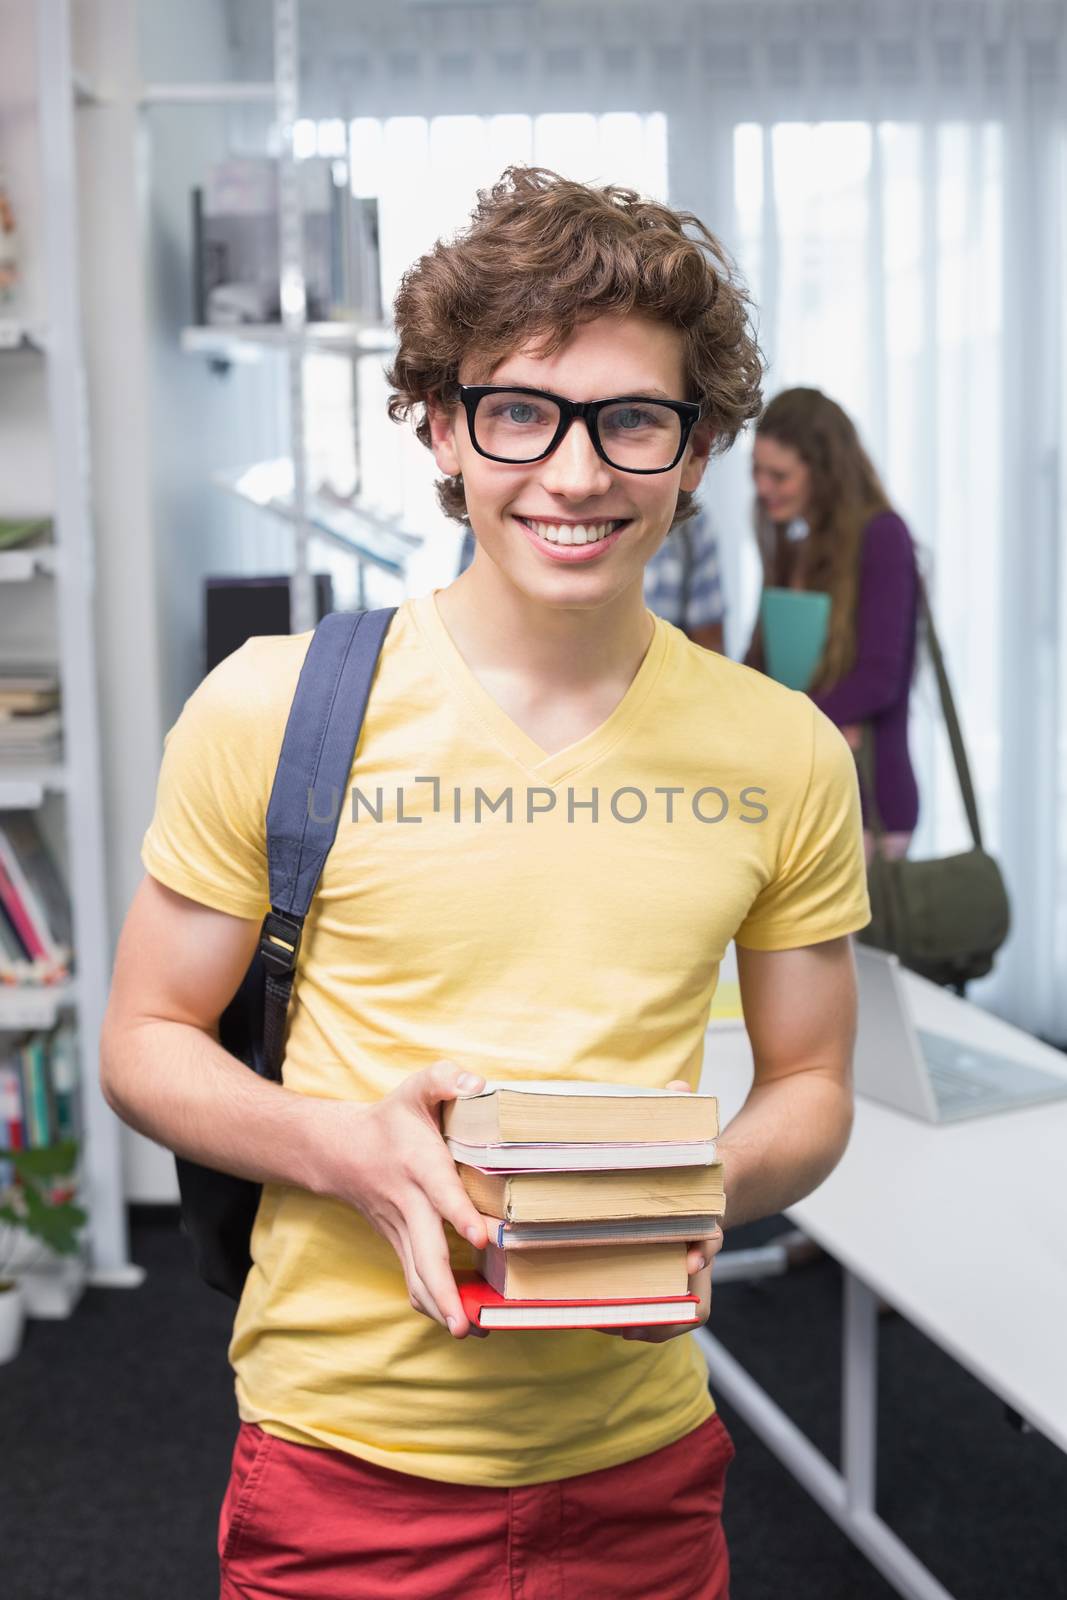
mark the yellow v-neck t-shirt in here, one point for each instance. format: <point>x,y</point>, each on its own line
<point>527,915</point>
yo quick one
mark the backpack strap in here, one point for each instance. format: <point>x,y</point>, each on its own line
<point>325,720</point>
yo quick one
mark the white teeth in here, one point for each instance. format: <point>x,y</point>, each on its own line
<point>556,534</point>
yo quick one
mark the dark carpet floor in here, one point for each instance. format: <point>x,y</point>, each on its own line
<point>117,1425</point>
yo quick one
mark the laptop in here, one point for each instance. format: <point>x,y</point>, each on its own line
<point>927,1074</point>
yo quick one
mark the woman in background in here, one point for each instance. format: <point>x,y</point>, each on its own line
<point>824,523</point>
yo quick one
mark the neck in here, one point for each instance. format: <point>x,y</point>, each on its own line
<point>564,650</point>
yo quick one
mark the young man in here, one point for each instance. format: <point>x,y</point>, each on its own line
<point>572,360</point>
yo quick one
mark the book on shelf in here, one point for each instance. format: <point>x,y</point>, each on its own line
<point>528,1236</point>
<point>534,1111</point>
<point>18,531</point>
<point>29,735</point>
<point>28,686</point>
<point>596,1196</point>
<point>486,1308</point>
<point>38,1090</point>
<point>593,1272</point>
<point>30,724</point>
<point>581,1157</point>
<point>35,923</point>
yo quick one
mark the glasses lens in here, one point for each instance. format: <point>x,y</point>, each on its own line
<point>640,435</point>
<point>515,427</point>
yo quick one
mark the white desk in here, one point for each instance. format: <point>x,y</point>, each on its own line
<point>962,1229</point>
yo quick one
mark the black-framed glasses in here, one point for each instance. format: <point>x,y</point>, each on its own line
<point>632,432</point>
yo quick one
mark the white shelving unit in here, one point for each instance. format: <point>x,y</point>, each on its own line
<point>250,342</point>
<point>370,539</point>
<point>73,784</point>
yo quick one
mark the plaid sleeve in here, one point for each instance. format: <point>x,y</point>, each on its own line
<point>466,552</point>
<point>706,603</point>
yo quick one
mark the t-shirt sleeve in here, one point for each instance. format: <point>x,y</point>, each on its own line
<point>206,839</point>
<point>819,887</point>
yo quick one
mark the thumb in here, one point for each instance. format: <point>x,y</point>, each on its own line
<point>445,1080</point>
<point>678,1086</point>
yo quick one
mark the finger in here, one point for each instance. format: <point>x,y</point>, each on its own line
<point>445,1192</point>
<point>429,1249</point>
<point>657,1334</point>
<point>700,1285</point>
<point>418,1294</point>
<point>679,1086</point>
<point>702,1251</point>
<point>444,1080</point>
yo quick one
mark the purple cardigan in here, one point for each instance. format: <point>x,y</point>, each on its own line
<point>877,687</point>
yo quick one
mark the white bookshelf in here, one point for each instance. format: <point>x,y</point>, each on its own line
<point>371,540</point>
<point>250,341</point>
<point>48,592</point>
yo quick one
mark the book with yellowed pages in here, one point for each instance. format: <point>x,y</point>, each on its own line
<point>581,1157</point>
<point>596,1196</point>
<point>616,1230</point>
<point>553,1112</point>
<point>635,1272</point>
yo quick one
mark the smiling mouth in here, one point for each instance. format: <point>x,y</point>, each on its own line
<point>588,533</point>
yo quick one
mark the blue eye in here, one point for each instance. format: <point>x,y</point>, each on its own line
<point>519,413</point>
<point>632,419</point>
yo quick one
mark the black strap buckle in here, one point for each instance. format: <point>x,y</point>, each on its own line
<point>279,943</point>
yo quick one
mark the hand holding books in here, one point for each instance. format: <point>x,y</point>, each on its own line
<point>390,1162</point>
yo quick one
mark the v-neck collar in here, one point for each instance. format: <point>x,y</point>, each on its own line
<point>548,769</point>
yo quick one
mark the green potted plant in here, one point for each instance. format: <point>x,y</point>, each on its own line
<point>36,1200</point>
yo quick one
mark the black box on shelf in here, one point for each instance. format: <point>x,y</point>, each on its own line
<point>237,609</point>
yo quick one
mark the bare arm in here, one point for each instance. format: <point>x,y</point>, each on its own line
<point>800,1011</point>
<point>164,1072</point>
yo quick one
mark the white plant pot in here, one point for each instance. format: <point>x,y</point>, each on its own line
<point>12,1319</point>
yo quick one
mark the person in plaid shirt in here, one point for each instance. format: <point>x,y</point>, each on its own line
<point>682,582</point>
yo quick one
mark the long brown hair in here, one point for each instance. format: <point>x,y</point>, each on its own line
<point>542,254</point>
<point>846,492</point>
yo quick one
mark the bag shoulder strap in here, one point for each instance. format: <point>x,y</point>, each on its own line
<point>321,735</point>
<point>952,721</point>
<point>952,724</point>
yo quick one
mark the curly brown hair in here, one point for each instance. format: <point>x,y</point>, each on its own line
<point>543,254</point>
<point>846,492</point>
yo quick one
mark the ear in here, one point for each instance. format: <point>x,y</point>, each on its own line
<point>697,455</point>
<point>442,436</point>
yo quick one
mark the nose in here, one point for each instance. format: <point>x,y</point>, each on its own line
<point>574,469</point>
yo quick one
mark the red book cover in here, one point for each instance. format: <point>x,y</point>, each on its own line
<point>488,1309</point>
<point>20,917</point>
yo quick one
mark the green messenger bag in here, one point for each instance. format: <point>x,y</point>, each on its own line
<point>944,918</point>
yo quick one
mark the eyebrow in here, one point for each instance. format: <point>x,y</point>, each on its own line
<point>646,391</point>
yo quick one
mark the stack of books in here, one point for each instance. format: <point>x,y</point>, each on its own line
<point>29,713</point>
<point>590,1194</point>
<point>35,922</point>
<point>38,1089</point>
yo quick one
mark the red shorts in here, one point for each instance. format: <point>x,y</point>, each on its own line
<point>300,1523</point>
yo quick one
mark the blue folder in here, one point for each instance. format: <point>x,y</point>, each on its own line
<point>795,623</point>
